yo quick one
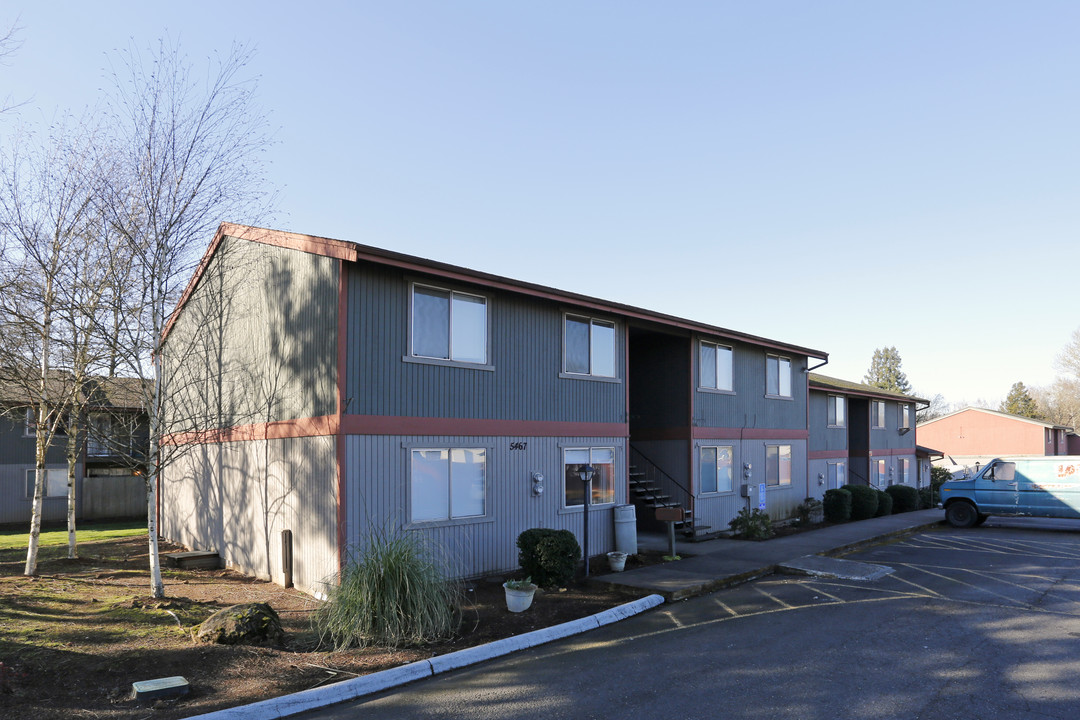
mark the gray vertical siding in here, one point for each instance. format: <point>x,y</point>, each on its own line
<point>890,437</point>
<point>524,347</point>
<point>257,340</point>
<point>236,498</point>
<point>378,497</point>
<point>747,406</point>
<point>717,510</point>
<point>17,507</point>
<point>823,437</point>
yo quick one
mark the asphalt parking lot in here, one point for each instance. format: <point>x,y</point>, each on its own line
<point>979,623</point>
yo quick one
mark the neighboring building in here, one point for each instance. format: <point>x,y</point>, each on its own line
<point>334,389</point>
<point>860,434</point>
<point>975,435</point>
<point>108,474</point>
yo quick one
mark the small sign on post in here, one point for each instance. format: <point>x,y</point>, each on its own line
<point>761,497</point>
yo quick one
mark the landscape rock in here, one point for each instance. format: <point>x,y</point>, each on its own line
<point>247,624</point>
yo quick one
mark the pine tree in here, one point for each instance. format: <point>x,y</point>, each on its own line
<point>885,372</point>
<point>1019,402</point>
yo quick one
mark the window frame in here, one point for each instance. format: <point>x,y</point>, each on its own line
<point>30,423</point>
<point>414,357</point>
<point>877,413</point>
<point>451,519</point>
<point>779,480</point>
<point>592,503</point>
<point>717,348</point>
<point>591,375</point>
<point>833,472</point>
<point>903,416</point>
<point>31,479</point>
<point>701,470</point>
<point>905,471</point>
<point>836,403</point>
<point>778,361</point>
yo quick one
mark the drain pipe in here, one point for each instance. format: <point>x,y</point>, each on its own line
<point>809,369</point>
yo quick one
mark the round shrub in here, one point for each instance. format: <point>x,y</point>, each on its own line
<point>884,503</point>
<point>548,556</point>
<point>864,501</point>
<point>837,505</point>
<point>905,498</point>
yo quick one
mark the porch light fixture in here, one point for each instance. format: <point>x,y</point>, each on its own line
<point>586,474</point>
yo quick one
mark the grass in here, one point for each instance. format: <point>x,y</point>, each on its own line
<point>18,539</point>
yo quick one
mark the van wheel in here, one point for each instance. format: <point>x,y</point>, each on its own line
<point>961,515</point>
<point>981,519</point>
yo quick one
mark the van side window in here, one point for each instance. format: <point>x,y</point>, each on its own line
<point>1003,471</point>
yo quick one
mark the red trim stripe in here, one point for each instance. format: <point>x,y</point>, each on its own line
<point>827,455</point>
<point>390,425</point>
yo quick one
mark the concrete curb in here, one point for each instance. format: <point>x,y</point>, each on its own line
<point>346,690</point>
<point>879,539</point>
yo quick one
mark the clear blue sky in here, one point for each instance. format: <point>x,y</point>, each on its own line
<point>839,175</point>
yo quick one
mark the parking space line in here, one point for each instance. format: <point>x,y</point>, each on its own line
<point>724,606</point>
<point>775,599</point>
<point>967,584</point>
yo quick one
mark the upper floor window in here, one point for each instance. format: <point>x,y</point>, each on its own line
<point>588,346</point>
<point>30,427</point>
<point>448,483</point>
<point>905,416</point>
<point>449,325</point>
<point>602,461</point>
<point>715,366</point>
<point>777,464</point>
<point>836,411</point>
<point>877,411</point>
<point>777,376</point>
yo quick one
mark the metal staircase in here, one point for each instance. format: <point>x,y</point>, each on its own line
<point>652,488</point>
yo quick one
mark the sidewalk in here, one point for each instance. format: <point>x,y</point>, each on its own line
<point>720,563</point>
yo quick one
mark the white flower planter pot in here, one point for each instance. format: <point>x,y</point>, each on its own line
<point>617,561</point>
<point>519,600</point>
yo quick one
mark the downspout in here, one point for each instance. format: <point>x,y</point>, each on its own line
<point>809,369</point>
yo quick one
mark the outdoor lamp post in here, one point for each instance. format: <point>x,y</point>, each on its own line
<point>586,474</point>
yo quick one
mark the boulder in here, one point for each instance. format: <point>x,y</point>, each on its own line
<point>247,624</point>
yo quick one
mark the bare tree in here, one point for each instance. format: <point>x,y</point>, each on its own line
<point>9,43</point>
<point>190,149</point>
<point>46,194</point>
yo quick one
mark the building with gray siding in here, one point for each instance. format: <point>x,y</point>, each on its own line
<point>109,453</point>
<point>350,389</point>
<point>860,434</point>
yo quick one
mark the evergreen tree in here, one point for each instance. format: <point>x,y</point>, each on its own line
<point>1019,402</point>
<point>885,372</point>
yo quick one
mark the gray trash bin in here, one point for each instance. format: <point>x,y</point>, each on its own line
<point>626,529</point>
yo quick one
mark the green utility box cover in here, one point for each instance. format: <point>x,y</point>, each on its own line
<point>162,687</point>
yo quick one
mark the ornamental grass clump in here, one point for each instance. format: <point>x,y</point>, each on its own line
<point>392,593</point>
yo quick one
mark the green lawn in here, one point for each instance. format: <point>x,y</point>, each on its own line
<point>14,539</point>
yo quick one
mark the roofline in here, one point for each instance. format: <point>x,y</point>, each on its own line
<point>867,391</point>
<point>1000,414</point>
<point>355,252</point>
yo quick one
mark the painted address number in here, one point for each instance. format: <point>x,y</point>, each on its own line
<point>518,445</point>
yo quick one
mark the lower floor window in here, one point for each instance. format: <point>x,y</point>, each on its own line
<point>716,469</point>
<point>602,461</point>
<point>905,471</point>
<point>837,475</point>
<point>448,483</point>
<point>56,483</point>
<point>777,464</point>
<point>877,472</point>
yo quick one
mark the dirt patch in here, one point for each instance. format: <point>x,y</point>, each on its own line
<point>74,639</point>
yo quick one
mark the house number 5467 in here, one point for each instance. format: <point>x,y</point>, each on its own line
<point>518,445</point>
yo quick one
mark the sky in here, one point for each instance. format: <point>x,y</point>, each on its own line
<point>842,176</point>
